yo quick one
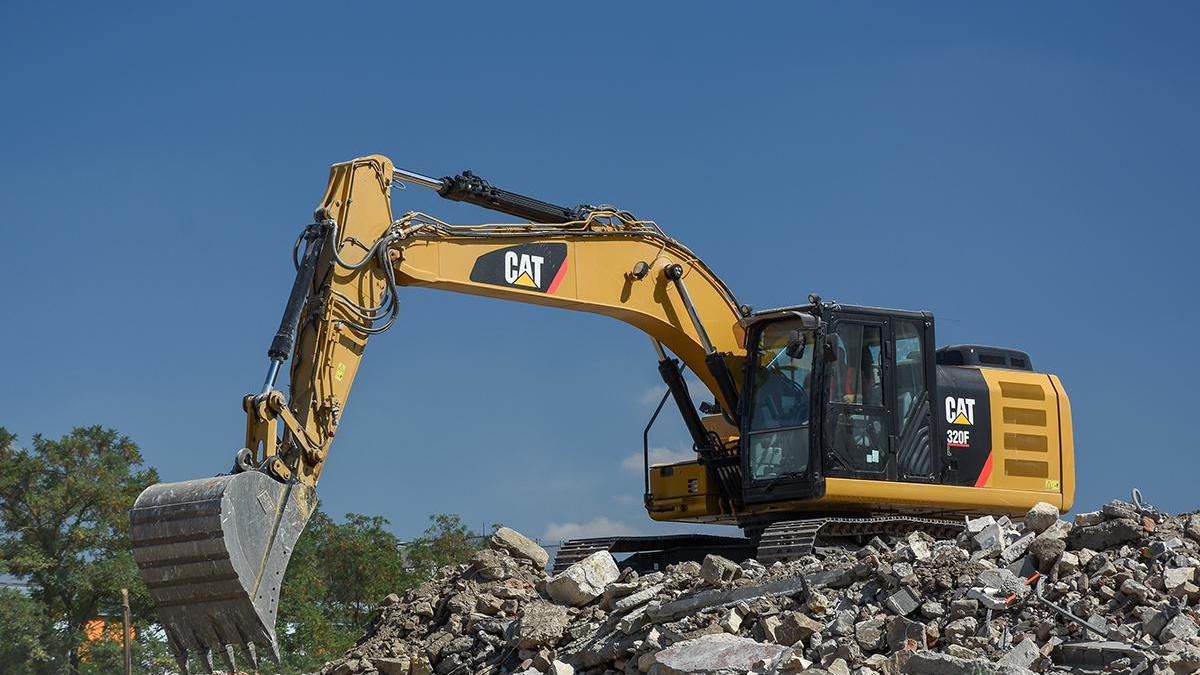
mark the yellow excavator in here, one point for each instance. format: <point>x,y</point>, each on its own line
<point>827,420</point>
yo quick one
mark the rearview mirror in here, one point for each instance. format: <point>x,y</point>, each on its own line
<point>797,344</point>
<point>830,351</point>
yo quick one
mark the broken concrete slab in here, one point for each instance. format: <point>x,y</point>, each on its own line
<point>724,598</point>
<point>933,663</point>
<point>714,654</point>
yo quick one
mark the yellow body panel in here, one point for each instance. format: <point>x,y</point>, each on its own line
<point>682,492</point>
<point>1027,447</point>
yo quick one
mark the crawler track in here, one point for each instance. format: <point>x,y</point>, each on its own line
<point>791,539</point>
<point>785,540</point>
<point>654,552</point>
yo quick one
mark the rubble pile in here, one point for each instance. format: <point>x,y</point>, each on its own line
<point>1114,591</point>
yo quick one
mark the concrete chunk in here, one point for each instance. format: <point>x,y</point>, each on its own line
<point>390,666</point>
<point>1181,627</point>
<point>869,634</point>
<point>541,625</point>
<point>796,627</point>
<point>640,598</point>
<point>717,571</point>
<point>1017,549</point>
<point>519,546</point>
<point>1040,517</point>
<point>1177,576</point>
<point>1022,655</point>
<point>903,602</point>
<point>903,633</point>
<point>989,538</point>
<point>584,581</point>
<point>977,525</point>
<point>1109,534</point>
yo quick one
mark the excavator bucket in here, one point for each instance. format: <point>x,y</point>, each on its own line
<point>213,553</point>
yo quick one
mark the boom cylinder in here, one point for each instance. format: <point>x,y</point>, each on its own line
<point>469,188</point>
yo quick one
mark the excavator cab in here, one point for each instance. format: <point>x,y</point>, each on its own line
<point>857,407</point>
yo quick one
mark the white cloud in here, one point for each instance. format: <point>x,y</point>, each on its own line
<point>633,462</point>
<point>652,395</point>
<point>599,526</point>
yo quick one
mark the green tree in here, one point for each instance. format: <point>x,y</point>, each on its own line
<point>447,541</point>
<point>21,623</point>
<point>340,571</point>
<point>64,528</point>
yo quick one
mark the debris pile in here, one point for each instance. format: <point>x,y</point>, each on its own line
<point>1115,591</point>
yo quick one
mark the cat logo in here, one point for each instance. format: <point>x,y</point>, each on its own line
<point>523,269</point>
<point>960,410</point>
<point>538,267</point>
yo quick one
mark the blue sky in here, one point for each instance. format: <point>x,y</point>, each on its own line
<point>1029,172</point>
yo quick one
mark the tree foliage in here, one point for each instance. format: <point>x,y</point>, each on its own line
<point>21,622</point>
<point>341,571</point>
<point>64,528</point>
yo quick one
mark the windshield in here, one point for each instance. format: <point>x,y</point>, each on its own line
<point>778,438</point>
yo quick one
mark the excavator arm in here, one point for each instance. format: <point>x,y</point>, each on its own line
<point>213,551</point>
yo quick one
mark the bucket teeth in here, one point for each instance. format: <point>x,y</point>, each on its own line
<point>273,652</point>
<point>178,651</point>
<point>250,655</point>
<point>213,552</point>
<point>227,658</point>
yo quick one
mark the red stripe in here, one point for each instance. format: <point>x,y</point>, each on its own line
<point>558,277</point>
<point>985,473</point>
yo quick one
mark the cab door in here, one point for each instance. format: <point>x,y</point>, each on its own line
<point>859,426</point>
<point>912,394</point>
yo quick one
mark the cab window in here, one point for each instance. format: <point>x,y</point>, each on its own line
<point>856,376</point>
<point>910,370</point>
<point>779,416</point>
<point>856,426</point>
